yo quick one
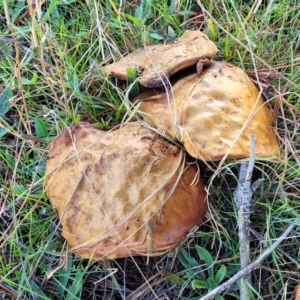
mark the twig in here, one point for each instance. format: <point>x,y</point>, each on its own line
<point>242,198</point>
<point>8,291</point>
<point>252,266</point>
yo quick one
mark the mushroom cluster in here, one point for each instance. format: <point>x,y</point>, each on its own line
<point>130,191</point>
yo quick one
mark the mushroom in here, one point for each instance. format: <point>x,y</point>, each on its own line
<point>122,193</point>
<point>213,114</point>
<point>157,63</point>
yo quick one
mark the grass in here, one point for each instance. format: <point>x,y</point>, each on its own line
<point>50,77</point>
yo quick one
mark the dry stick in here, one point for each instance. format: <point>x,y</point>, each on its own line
<point>252,266</point>
<point>242,198</point>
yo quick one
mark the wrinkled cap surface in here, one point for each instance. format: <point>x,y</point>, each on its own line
<point>119,193</point>
<point>213,114</point>
<point>157,63</point>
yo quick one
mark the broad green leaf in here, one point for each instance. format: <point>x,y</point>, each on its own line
<point>138,15</point>
<point>4,126</point>
<point>2,132</point>
<point>186,260</point>
<point>40,128</point>
<point>211,282</point>
<point>18,8</point>
<point>156,36</point>
<point>4,101</point>
<point>6,156</point>
<point>207,258</point>
<point>221,274</point>
<point>143,11</point>
<point>171,32</point>
<point>18,189</point>
<point>75,82</point>
<point>199,284</point>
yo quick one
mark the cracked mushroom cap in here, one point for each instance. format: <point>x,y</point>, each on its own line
<point>213,114</point>
<point>122,193</point>
<point>157,63</point>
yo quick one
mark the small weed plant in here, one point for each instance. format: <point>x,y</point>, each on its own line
<point>202,272</point>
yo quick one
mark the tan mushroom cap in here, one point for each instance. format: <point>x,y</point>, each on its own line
<point>119,193</point>
<point>157,63</point>
<point>213,114</point>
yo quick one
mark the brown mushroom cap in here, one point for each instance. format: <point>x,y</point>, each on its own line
<point>157,63</point>
<point>214,114</point>
<point>119,193</point>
